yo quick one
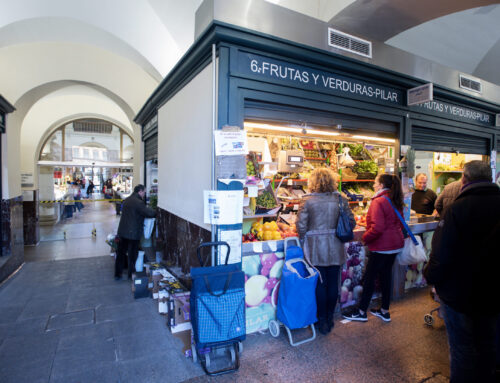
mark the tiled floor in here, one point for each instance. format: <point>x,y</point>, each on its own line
<point>64,319</point>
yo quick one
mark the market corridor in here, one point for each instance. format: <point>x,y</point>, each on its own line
<point>69,321</point>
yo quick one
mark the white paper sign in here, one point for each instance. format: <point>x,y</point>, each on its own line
<point>233,238</point>
<point>230,143</point>
<point>253,191</point>
<point>223,207</point>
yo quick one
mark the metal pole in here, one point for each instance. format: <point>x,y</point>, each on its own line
<point>214,127</point>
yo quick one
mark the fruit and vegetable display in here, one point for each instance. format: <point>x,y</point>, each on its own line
<point>251,169</point>
<point>356,150</point>
<point>366,167</point>
<point>266,200</point>
<point>269,231</point>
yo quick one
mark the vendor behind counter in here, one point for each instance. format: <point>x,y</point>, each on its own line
<point>423,199</point>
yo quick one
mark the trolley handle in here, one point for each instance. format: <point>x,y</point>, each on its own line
<point>212,244</point>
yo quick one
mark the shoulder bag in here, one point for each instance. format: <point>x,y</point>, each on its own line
<point>413,251</point>
<point>344,230</point>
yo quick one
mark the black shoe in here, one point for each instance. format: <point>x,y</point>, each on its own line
<point>118,278</point>
<point>378,313</point>
<point>356,315</point>
<point>323,327</point>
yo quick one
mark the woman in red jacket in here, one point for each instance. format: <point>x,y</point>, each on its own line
<point>384,238</point>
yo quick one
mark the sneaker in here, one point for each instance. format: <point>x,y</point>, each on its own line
<point>118,278</point>
<point>355,315</point>
<point>378,313</point>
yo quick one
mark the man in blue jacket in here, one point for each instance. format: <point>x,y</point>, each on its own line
<point>130,230</point>
<point>463,266</point>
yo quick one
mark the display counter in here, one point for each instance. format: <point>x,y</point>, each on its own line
<point>262,263</point>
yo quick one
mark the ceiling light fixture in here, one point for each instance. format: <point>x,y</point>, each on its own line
<point>256,125</point>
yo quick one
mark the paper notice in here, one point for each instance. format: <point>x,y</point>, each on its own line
<point>230,143</point>
<point>233,238</point>
<point>223,207</point>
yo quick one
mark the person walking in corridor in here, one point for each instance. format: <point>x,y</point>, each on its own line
<point>130,230</point>
<point>384,238</point>
<point>463,266</point>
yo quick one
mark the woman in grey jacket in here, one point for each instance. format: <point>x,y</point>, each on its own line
<point>317,219</point>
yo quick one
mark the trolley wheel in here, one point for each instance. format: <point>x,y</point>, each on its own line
<point>274,328</point>
<point>207,360</point>
<point>240,347</point>
<point>233,354</point>
<point>428,319</point>
<point>194,354</point>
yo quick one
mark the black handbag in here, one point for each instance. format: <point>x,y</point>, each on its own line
<point>344,230</point>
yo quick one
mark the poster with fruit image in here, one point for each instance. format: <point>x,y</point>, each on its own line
<point>262,279</point>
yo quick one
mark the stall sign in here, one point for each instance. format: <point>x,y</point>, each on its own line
<point>420,94</point>
<point>456,112</point>
<point>315,79</point>
<point>57,174</point>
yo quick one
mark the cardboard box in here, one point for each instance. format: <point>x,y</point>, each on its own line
<point>178,312</point>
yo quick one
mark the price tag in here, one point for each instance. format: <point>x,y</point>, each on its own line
<point>290,182</point>
<point>296,207</point>
<point>360,203</point>
<point>253,191</point>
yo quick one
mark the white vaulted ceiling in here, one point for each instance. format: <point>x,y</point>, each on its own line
<point>114,53</point>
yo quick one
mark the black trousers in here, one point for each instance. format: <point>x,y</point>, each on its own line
<point>130,247</point>
<point>327,292</point>
<point>378,265</point>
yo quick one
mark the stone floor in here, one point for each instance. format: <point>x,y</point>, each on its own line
<point>63,318</point>
<point>69,321</point>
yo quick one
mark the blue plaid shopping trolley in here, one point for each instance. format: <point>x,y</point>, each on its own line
<point>217,311</point>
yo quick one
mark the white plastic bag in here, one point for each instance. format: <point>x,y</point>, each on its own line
<point>148,227</point>
<point>345,159</point>
<point>412,253</point>
<point>139,264</point>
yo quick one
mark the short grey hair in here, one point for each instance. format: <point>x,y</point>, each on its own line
<point>477,171</point>
<point>420,175</point>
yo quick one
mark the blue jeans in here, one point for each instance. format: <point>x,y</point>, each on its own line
<point>472,346</point>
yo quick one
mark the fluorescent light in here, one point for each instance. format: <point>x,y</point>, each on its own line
<point>375,138</point>
<point>256,125</point>
<point>323,132</point>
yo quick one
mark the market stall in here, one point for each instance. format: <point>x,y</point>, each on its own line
<point>301,105</point>
<point>280,161</point>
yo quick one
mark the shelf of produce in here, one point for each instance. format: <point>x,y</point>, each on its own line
<point>449,171</point>
<point>314,159</point>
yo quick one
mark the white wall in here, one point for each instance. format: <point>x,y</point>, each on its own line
<point>184,149</point>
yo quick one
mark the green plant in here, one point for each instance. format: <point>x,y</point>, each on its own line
<point>153,201</point>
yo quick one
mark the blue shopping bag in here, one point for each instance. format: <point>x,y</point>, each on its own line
<point>217,304</point>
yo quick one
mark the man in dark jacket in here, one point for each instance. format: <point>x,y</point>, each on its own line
<point>130,230</point>
<point>463,266</point>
